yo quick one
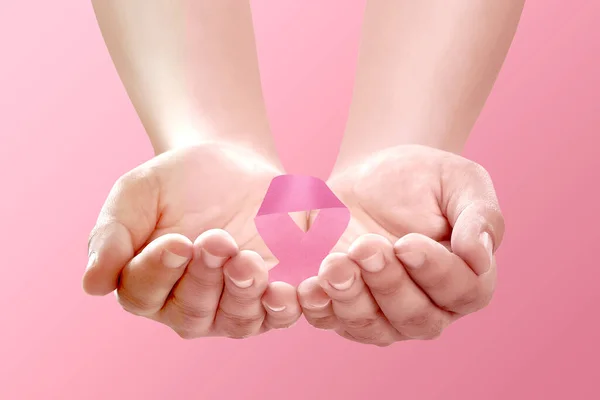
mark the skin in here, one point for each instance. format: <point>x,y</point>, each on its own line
<point>418,253</point>
<point>191,71</point>
<point>180,247</point>
<point>424,73</point>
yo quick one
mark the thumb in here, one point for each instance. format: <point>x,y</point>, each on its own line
<point>127,219</point>
<point>471,207</point>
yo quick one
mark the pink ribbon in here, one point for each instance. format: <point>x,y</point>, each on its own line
<point>300,253</point>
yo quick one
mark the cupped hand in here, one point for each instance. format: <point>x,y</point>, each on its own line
<point>176,239</point>
<point>418,252</point>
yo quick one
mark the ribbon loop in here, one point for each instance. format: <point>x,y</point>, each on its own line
<point>300,252</point>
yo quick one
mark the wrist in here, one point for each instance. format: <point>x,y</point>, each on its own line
<point>259,144</point>
<point>357,145</point>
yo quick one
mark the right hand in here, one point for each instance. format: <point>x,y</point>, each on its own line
<point>418,253</point>
<point>167,241</point>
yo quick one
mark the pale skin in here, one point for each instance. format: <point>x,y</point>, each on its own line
<point>178,246</point>
<point>176,238</point>
<point>418,253</point>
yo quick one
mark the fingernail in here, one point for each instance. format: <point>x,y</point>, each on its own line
<point>242,284</point>
<point>412,259</point>
<point>172,260</point>
<point>91,260</point>
<point>317,305</point>
<point>345,285</point>
<point>274,308</point>
<point>486,241</point>
<point>212,261</point>
<point>374,263</point>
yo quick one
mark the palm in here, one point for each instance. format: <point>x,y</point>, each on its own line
<point>164,242</point>
<point>383,291</point>
<point>392,194</point>
<point>213,186</point>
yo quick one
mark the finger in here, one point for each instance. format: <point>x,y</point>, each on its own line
<point>404,304</point>
<point>471,206</point>
<point>346,335</point>
<point>442,275</point>
<point>316,305</point>
<point>191,308</point>
<point>241,313</point>
<point>353,305</point>
<point>148,279</point>
<point>126,221</point>
<point>281,305</point>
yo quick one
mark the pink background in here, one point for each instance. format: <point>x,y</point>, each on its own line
<point>67,131</point>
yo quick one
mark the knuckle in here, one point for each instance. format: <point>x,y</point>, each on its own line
<point>432,336</point>
<point>240,327</point>
<point>419,319</point>
<point>243,298</point>
<point>390,287</point>
<point>185,334</point>
<point>372,337</point>
<point>438,281</point>
<point>486,299</point>
<point>188,315</point>
<point>282,324</point>
<point>325,323</point>
<point>365,323</point>
<point>239,335</point>
<point>468,301</point>
<point>435,329</point>
<point>207,280</point>
<point>422,324</point>
<point>134,305</point>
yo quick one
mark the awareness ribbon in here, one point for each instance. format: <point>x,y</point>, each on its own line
<point>300,253</point>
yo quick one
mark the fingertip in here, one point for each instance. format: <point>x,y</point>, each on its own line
<point>174,243</point>
<point>337,272</point>
<point>307,285</point>
<point>475,248</point>
<point>411,249</point>
<point>281,288</point>
<point>331,262</point>
<point>102,271</point>
<point>217,242</point>
<point>410,241</point>
<point>280,297</point>
<point>110,249</point>
<point>246,269</point>
<point>477,233</point>
<point>311,295</point>
<point>367,246</point>
<point>95,281</point>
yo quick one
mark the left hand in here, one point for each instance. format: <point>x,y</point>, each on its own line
<point>176,241</point>
<point>418,252</point>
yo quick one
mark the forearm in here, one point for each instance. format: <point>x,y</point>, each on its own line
<point>190,70</point>
<point>425,70</point>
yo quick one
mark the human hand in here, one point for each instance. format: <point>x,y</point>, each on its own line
<point>142,244</point>
<point>418,252</point>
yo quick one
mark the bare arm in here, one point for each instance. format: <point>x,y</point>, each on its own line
<point>425,71</point>
<point>190,69</point>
